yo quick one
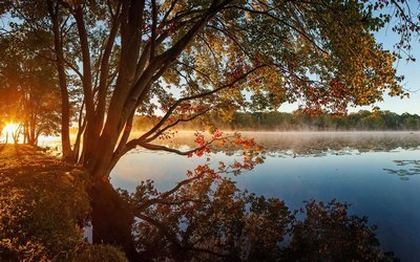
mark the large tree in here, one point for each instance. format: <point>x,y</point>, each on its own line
<point>182,59</point>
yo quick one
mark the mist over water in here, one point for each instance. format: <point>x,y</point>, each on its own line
<point>377,172</point>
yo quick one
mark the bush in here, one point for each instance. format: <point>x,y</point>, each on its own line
<point>94,253</point>
<point>43,206</point>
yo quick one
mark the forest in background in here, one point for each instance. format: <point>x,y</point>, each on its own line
<point>299,120</point>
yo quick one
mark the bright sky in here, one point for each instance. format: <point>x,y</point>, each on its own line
<point>410,70</point>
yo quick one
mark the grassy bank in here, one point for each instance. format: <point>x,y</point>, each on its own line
<point>43,207</point>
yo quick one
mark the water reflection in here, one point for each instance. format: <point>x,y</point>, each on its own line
<point>405,169</point>
<point>212,220</point>
<point>348,167</point>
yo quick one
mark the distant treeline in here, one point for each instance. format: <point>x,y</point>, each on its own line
<point>298,120</point>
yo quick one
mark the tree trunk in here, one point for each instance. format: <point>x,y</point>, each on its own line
<point>112,219</point>
<point>65,105</point>
<point>65,117</point>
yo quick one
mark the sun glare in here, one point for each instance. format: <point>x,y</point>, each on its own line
<point>11,128</point>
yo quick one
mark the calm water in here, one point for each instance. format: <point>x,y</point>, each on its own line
<point>376,172</point>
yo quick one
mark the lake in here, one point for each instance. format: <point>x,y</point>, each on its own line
<point>377,172</point>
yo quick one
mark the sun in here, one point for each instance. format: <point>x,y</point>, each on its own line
<point>11,128</point>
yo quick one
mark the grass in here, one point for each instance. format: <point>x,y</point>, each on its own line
<point>25,158</point>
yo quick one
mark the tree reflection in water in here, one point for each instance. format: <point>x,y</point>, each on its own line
<point>208,218</point>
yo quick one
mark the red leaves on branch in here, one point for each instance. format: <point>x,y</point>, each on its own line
<point>245,143</point>
<point>236,70</point>
<point>251,153</point>
<point>202,145</point>
<point>217,134</point>
<point>333,98</point>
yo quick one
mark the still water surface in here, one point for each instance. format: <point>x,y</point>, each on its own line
<point>378,173</point>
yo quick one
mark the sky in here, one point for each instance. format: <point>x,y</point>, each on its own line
<point>410,70</point>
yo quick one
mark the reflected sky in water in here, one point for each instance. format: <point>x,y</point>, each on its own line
<point>375,172</point>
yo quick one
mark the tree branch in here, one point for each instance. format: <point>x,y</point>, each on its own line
<point>201,95</point>
<point>159,132</point>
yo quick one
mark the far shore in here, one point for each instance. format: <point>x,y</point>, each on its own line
<point>300,131</point>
